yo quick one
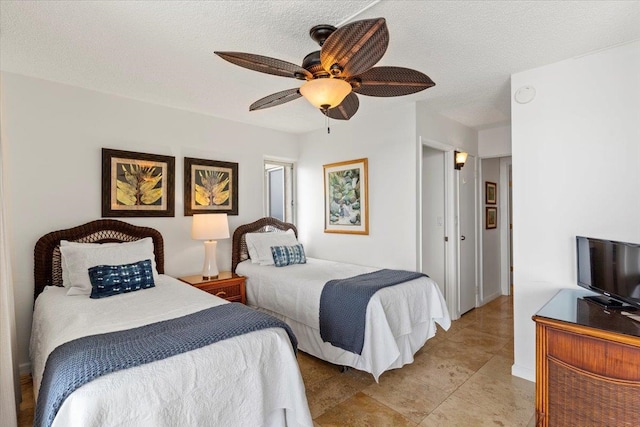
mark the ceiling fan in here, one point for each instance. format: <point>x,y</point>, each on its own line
<point>342,68</point>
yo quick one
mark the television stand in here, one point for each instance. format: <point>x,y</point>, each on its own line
<point>587,364</point>
<point>609,303</point>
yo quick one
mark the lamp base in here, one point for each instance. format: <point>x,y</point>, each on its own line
<point>210,268</point>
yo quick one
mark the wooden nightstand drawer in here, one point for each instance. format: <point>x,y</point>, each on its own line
<point>227,285</point>
<point>231,291</point>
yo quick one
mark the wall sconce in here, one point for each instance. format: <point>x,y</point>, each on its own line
<point>459,159</point>
<point>210,227</point>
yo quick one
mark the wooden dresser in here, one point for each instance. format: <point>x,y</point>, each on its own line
<point>587,364</point>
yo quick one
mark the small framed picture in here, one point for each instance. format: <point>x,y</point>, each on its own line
<point>210,186</point>
<point>490,189</point>
<point>137,184</point>
<point>491,217</point>
<point>346,204</point>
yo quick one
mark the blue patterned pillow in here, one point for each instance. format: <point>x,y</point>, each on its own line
<point>287,255</point>
<point>108,280</point>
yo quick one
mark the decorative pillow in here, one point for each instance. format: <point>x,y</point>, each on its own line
<point>66,282</point>
<point>108,280</point>
<point>259,245</point>
<point>78,260</point>
<point>287,255</point>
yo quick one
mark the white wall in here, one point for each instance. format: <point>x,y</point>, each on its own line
<point>436,127</point>
<point>576,158</point>
<point>54,135</point>
<point>494,142</point>
<point>490,237</point>
<point>388,139</point>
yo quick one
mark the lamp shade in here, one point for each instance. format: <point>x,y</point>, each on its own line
<point>210,227</point>
<point>326,92</point>
<point>460,158</point>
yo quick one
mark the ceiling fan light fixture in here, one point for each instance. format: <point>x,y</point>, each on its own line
<point>325,93</point>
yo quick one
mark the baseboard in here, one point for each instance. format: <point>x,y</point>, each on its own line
<point>522,372</point>
<point>490,298</point>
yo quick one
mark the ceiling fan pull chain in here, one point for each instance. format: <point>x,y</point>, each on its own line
<point>326,117</point>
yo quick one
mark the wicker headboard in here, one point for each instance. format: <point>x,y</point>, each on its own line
<point>239,251</point>
<point>48,269</point>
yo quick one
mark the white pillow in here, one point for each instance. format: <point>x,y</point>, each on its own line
<point>65,270</point>
<point>259,245</point>
<point>79,258</point>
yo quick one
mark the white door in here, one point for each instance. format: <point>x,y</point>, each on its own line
<point>434,216</point>
<point>467,235</point>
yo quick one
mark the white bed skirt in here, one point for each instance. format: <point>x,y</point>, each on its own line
<point>399,319</point>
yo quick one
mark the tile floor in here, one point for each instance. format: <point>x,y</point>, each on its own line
<point>461,377</point>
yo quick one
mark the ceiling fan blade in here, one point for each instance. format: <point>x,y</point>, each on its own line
<point>347,108</point>
<point>265,64</point>
<point>275,99</point>
<point>390,81</point>
<point>355,47</point>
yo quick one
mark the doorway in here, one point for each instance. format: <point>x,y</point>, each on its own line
<point>279,190</point>
<point>434,259</point>
<point>441,220</point>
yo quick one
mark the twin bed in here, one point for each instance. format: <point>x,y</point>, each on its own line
<point>248,379</point>
<point>399,319</point>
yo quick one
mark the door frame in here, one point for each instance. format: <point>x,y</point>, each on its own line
<point>505,232</point>
<point>451,284</point>
<point>474,162</point>
<point>287,164</point>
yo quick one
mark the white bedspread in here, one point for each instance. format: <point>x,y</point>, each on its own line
<point>399,318</point>
<point>249,380</point>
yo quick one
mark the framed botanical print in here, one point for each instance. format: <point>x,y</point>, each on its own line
<point>346,197</point>
<point>210,186</point>
<point>137,184</point>
<point>491,218</point>
<point>490,192</point>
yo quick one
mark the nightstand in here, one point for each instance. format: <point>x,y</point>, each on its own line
<point>227,285</point>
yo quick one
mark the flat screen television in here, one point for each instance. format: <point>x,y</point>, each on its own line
<point>610,268</point>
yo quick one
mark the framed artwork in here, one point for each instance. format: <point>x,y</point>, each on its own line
<point>346,198</point>
<point>491,218</point>
<point>137,184</point>
<point>490,192</point>
<point>210,186</point>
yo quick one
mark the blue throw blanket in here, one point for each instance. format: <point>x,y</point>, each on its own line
<point>343,305</point>
<point>79,361</point>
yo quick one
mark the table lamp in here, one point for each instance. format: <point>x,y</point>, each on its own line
<point>210,227</point>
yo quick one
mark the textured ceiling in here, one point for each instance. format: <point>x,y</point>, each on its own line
<point>162,51</point>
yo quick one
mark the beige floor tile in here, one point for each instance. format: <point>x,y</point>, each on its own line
<point>515,396</point>
<point>443,373</point>
<point>500,327</point>
<point>499,367</point>
<point>327,393</point>
<point>362,410</point>
<point>466,356</point>
<point>507,350</point>
<point>456,412</point>
<point>314,370</point>
<point>480,340</point>
<point>408,395</point>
